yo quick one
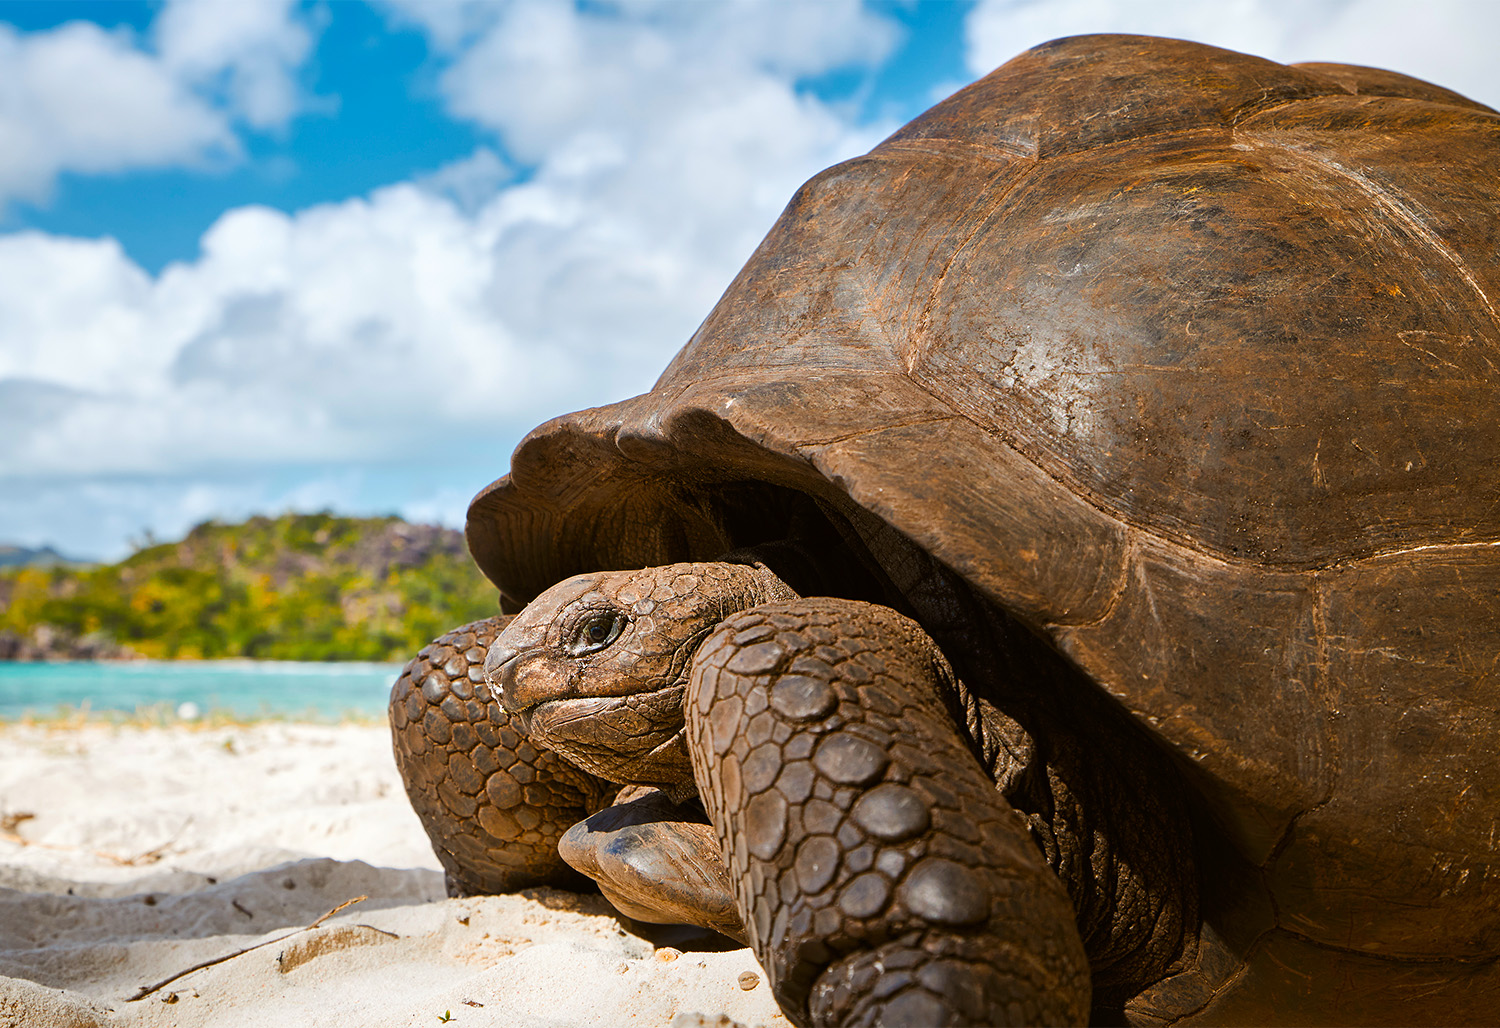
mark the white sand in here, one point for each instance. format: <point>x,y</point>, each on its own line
<point>147,851</point>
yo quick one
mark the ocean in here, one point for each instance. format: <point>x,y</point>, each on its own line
<point>297,689</point>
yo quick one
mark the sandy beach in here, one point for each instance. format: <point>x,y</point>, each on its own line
<point>129,855</point>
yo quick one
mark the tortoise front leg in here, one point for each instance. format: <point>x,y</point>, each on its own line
<point>881,876</point>
<point>493,803</point>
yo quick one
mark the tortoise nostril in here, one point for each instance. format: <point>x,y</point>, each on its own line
<point>499,672</point>
<point>496,659</point>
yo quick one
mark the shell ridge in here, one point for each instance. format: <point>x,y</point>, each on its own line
<point>1252,111</point>
<point>1331,751</point>
<point>959,149</point>
<point>1393,206</point>
<point>1129,561</point>
<point>834,440</point>
<point>917,334</point>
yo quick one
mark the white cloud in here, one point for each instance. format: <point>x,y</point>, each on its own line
<point>1449,42</point>
<point>543,73</point>
<point>472,181</point>
<point>467,305</point>
<point>72,312</point>
<point>440,317</point>
<point>663,139</point>
<point>251,49</point>
<point>79,98</point>
<point>330,335</point>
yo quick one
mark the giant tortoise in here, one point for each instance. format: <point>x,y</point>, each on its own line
<point>1059,580</point>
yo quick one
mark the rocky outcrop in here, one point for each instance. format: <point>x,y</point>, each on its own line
<point>12,555</point>
<point>48,642</point>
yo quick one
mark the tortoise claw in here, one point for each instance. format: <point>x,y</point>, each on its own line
<point>656,861</point>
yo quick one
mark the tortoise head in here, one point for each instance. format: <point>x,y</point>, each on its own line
<point>596,665</point>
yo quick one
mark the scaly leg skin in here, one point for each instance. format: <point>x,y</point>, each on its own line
<point>493,803</point>
<point>882,877</point>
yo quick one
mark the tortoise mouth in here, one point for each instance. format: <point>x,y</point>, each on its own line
<point>638,738</point>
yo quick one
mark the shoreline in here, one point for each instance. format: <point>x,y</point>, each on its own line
<point>163,715</point>
<point>131,852</point>
<point>162,692</point>
<point>138,659</point>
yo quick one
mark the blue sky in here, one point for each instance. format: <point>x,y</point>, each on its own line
<point>258,255</point>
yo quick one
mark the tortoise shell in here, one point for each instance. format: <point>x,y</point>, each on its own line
<point>1185,358</point>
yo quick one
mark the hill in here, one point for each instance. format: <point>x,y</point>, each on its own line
<point>12,555</point>
<point>295,587</point>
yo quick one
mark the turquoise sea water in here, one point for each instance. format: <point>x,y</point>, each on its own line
<point>293,688</point>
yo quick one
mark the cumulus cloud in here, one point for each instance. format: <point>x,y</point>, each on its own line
<point>291,338</point>
<point>366,329</point>
<point>1449,42</point>
<point>647,149</point>
<point>664,139</point>
<point>80,98</point>
<point>247,52</point>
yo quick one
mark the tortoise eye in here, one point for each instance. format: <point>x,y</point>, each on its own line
<point>597,631</point>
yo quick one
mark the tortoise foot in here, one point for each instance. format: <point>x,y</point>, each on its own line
<point>656,861</point>
<point>926,978</point>
<point>882,877</point>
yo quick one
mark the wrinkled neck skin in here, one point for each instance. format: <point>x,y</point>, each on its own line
<point>1103,806</point>
<point>1107,809</point>
<point>1107,814</point>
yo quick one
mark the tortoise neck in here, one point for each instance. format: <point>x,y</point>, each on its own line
<point>1106,807</point>
<point>795,564</point>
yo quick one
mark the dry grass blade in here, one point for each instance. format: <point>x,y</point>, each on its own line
<point>147,990</point>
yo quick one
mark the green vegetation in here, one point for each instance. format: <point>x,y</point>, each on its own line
<point>296,587</point>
